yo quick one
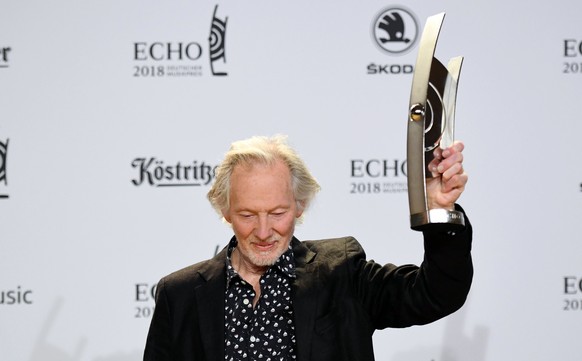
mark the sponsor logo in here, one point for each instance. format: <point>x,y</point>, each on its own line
<point>159,173</point>
<point>3,177</point>
<point>16,296</point>
<point>216,42</point>
<point>5,56</point>
<point>157,59</point>
<point>395,32</point>
<point>389,69</point>
<point>572,293</point>
<point>572,53</point>
<point>374,176</point>
<point>145,295</point>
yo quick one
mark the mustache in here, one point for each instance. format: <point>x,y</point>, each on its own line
<point>272,239</point>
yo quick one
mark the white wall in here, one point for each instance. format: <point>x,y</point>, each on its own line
<point>81,244</point>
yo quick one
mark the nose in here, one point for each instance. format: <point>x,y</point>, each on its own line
<point>263,231</point>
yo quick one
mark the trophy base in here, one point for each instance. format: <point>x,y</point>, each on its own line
<point>437,220</point>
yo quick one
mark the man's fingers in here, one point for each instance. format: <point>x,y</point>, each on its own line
<point>456,168</point>
<point>450,161</point>
<point>456,183</point>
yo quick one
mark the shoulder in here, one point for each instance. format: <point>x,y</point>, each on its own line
<point>335,250</point>
<point>194,275</point>
<point>184,275</point>
<point>331,245</point>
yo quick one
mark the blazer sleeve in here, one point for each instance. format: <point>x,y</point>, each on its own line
<point>402,296</point>
<point>158,342</point>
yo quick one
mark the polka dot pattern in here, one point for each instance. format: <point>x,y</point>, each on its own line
<point>267,331</point>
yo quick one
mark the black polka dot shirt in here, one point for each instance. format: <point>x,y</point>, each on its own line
<point>267,331</point>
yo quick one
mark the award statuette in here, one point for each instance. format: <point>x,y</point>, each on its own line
<point>430,125</point>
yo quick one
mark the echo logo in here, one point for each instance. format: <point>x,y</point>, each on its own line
<point>3,156</point>
<point>167,51</point>
<point>572,48</point>
<point>378,168</point>
<point>145,292</point>
<point>572,285</point>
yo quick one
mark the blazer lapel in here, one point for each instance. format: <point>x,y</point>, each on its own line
<point>210,300</point>
<point>304,291</point>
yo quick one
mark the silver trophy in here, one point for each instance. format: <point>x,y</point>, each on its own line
<point>431,122</point>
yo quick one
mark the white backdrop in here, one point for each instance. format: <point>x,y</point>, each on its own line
<point>88,92</point>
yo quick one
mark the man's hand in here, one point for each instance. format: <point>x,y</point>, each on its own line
<point>449,178</point>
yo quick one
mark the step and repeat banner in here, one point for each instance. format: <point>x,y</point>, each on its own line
<point>114,114</point>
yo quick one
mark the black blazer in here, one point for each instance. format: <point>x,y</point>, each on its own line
<point>339,299</point>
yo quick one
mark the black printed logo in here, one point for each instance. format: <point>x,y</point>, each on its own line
<point>216,41</point>
<point>4,56</point>
<point>395,30</point>
<point>3,157</point>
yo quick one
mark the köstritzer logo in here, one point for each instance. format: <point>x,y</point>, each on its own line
<point>3,156</point>
<point>395,30</point>
<point>157,173</point>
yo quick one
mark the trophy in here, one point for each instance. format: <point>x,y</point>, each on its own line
<point>431,122</point>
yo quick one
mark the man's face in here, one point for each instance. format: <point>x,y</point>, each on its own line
<point>262,212</point>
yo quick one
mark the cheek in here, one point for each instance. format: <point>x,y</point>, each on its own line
<point>242,228</point>
<point>285,225</point>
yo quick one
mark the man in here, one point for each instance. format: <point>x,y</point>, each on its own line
<point>268,296</point>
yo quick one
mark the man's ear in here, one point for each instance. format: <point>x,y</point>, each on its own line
<point>300,209</point>
<point>226,216</point>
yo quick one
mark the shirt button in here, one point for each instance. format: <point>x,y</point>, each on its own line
<point>253,339</point>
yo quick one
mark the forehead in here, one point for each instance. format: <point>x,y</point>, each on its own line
<point>261,184</point>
